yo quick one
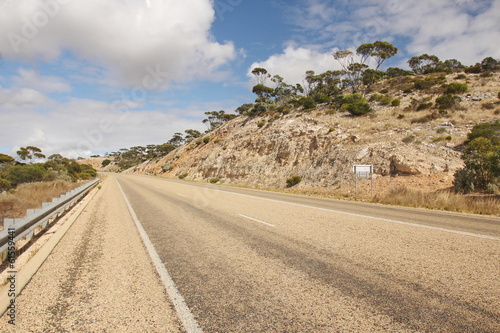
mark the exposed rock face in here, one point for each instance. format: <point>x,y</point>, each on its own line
<point>242,153</point>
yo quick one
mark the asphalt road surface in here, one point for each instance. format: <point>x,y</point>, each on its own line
<point>224,259</point>
<point>254,261</point>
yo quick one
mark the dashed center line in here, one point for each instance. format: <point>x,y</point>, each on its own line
<point>259,221</point>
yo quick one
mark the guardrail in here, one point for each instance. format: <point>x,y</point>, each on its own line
<point>17,229</point>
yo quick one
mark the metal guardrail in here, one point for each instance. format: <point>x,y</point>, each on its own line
<point>17,229</point>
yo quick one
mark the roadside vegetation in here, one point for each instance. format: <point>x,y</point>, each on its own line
<point>32,179</point>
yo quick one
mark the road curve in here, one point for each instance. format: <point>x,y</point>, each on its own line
<point>253,261</point>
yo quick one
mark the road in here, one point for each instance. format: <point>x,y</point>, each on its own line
<point>255,261</point>
<point>239,260</point>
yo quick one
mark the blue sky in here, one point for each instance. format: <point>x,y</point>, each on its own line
<point>88,77</point>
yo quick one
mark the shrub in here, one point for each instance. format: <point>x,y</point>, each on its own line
<point>29,173</point>
<point>456,88</point>
<point>461,77</point>
<point>385,100</point>
<point>184,175</point>
<point>396,102</point>
<point>384,91</point>
<point>409,139</point>
<point>214,180</point>
<point>447,101</point>
<point>105,163</point>
<point>292,181</point>
<point>489,131</point>
<point>5,185</point>
<point>424,106</point>
<point>427,82</point>
<point>355,104</point>
<point>166,167</point>
<point>261,123</point>
<point>307,102</point>
<point>430,117</point>
<point>320,98</point>
<point>206,139</point>
<point>487,106</point>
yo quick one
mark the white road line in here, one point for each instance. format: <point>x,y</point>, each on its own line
<point>185,314</point>
<point>182,195</point>
<point>365,216</point>
<point>250,218</point>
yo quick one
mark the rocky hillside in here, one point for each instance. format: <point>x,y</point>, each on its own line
<point>420,149</point>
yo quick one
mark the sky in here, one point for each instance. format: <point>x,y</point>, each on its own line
<point>86,77</point>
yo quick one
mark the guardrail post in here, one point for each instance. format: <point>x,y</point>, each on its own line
<point>8,223</point>
<point>30,235</point>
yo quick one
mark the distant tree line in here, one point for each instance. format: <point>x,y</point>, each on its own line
<point>27,170</point>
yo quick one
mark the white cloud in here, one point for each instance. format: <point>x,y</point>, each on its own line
<point>31,79</point>
<point>20,99</point>
<point>124,37</point>
<point>293,63</point>
<point>463,29</point>
<point>81,127</point>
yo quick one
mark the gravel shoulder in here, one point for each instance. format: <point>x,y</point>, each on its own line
<point>99,278</point>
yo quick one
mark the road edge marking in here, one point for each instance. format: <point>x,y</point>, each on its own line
<point>259,221</point>
<point>182,309</point>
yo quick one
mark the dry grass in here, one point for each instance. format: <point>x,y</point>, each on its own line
<point>29,196</point>
<point>442,200</point>
<point>446,200</point>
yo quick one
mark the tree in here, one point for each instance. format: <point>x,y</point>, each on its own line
<point>489,64</point>
<point>355,70</point>
<point>424,64</point>
<point>345,58</point>
<point>6,159</point>
<point>397,72</point>
<point>244,109</point>
<point>105,163</point>
<point>29,152</point>
<point>383,51</point>
<point>355,76</point>
<point>263,91</point>
<point>164,149</point>
<point>217,118</point>
<point>379,50</point>
<point>482,167</point>
<point>453,64</point>
<point>176,140</point>
<point>328,83</point>
<point>370,76</point>
<point>192,134</point>
<point>261,75</point>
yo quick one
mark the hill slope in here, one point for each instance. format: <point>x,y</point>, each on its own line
<point>322,145</point>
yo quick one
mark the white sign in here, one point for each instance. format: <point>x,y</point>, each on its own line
<point>362,169</point>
